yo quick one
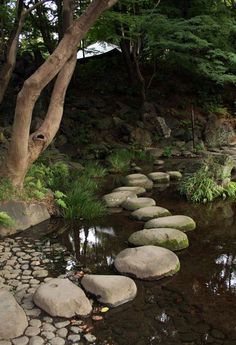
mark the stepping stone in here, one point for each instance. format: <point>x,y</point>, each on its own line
<point>13,320</point>
<point>135,190</point>
<point>147,262</point>
<point>159,177</point>
<point>179,222</point>
<point>60,297</point>
<point>159,162</point>
<point>150,212</point>
<point>115,199</point>
<point>172,239</point>
<point>175,175</point>
<point>132,204</point>
<point>110,289</point>
<point>139,180</point>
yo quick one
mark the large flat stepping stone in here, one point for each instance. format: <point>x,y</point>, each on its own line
<point>139,180</point>
<point>115,199</point>
<point>159,177</point>
<point>13,320</point>
<point>132,204</point>
<point>136,190</point>
<point>179,222</point>
<point>175,175</point>
<point>110,289</point>
<point>147,262</point>
<point>172,239</point>
<point>60,297</point>
<point>150,212</point>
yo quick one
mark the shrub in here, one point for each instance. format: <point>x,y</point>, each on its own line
<point>203,187</point>
<point>120,160</point>
<point>6,221</point>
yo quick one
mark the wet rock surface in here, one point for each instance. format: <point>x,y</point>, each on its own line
<point>180,222</point>
<point>172,239</point>
<point>147,262</point>
<point>110,289</point>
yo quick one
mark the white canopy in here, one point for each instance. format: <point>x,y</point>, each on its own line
<point>95,49</point>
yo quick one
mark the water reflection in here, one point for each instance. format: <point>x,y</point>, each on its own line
<point>224,277</point>
<point>91,245</point>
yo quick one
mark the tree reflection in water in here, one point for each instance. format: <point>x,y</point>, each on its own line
<point>91,246</point>
<point>224,278</point>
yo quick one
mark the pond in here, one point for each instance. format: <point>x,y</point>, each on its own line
<point>196,306</point>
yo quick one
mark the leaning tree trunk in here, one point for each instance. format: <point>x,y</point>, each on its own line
<point>12,46</point>
<point>24,148</point>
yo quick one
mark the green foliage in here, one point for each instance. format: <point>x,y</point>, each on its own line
<point>120,160</point>
<point>6,190</point>
<point>6,221</point>
<point>167,152</point>
<point>202,187</point>
<point>94,170</point>
<point>81,201</point>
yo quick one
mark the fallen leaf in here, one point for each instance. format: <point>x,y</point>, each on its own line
<point>104,309</point>
<point>97,317</point>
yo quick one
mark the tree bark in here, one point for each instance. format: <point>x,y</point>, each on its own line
<point>24,148</point>
<point>12,45</point>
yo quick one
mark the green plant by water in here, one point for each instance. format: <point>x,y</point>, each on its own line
<point>203,187</point>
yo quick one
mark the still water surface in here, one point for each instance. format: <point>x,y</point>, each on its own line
<point>196,306</point>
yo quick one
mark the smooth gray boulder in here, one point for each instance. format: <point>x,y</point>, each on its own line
<point>110,289</point>
<point>132,204</point>
<point>115,199</point>
<point>13,320</point>
<point>147,262</point>
<point>136,190</point>
<point>60,297</point>
<point>175,175</point>
<point>139,180</point>
<point>150,212</point>
<point>159,177</point>
<point>183,223</point>
<point>172,239</point>
<point>24,214</point>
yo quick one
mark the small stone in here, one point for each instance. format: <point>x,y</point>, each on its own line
<point>48,319</point>
<point>33,312</point>
<point>62,332</point>
<point>26,272</point>
<point>48,335</point>
<point>40,273</point>
<point>179,222</point>
<point>74,338</point>
<point>57,341</point>
<point>159,177</point>
<point>31,331</point>
<point>89,337</point>
<point>133,204</point>
<point>35,323</point>
<point>146,213</point>
<point>21,340</point>
<point>36,340</point>
<point>61,324</point>
<point>48,327</point>
<point>115,199</point>
<point>75,329</point>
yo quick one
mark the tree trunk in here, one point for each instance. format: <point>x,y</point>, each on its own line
<point>24,148</point>
<point>12,45</point>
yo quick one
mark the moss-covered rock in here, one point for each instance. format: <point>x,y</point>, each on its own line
<point>146,213</point>
<point>172,239</point>
<point>132,204</point>
<point>179,222</point>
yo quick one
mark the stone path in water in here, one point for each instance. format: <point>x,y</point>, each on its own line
<point>38,309</point>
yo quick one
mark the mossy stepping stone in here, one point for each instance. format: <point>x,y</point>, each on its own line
<point>179,222</point>
<point>132,204</point>
<point>136,190</point>
<point>175,175</point>
<point>115,199</point>
<point>159,177</point>
<point>139,180</point>
<point>147,262</point>
<point>112,290</point>
<point>172,239</point>
<point>150,212</point>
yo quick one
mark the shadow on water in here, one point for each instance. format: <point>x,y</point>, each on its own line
<point>196,306</point>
